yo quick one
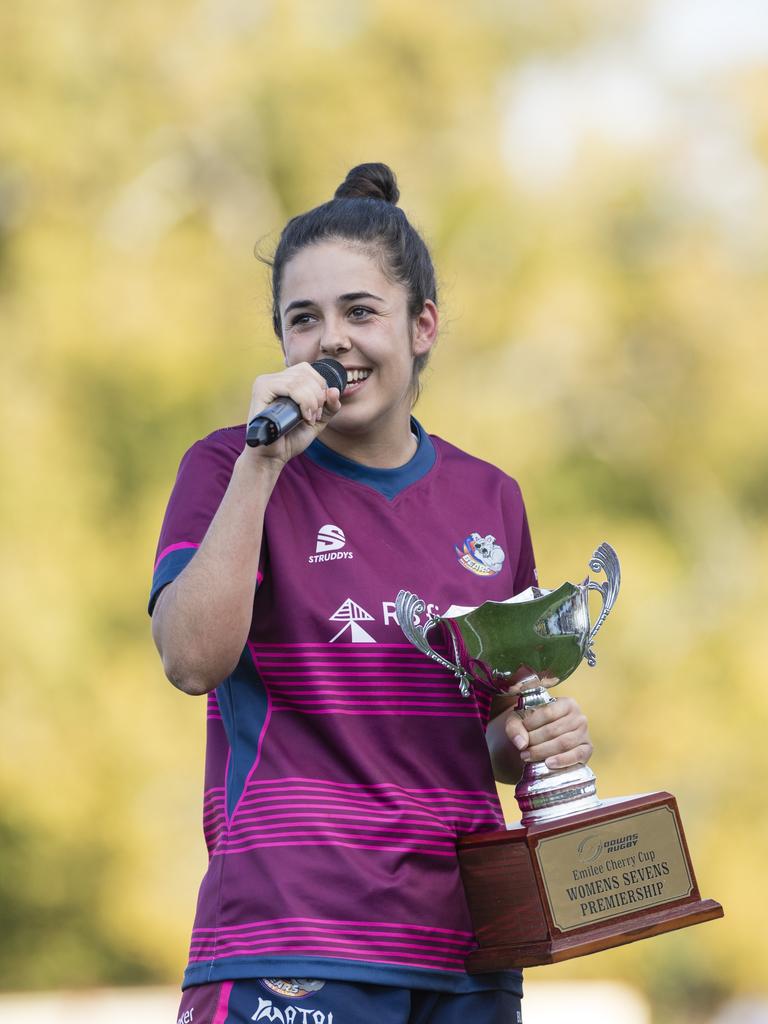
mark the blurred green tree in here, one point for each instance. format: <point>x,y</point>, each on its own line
<point>604,329</point>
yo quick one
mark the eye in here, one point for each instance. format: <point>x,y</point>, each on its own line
<point>360,312</point>
<point>301,320</point>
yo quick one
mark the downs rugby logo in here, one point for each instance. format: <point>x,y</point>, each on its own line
<point>481,555</point>
<point>589,849</point>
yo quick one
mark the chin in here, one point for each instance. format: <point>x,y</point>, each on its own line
<point>353,413</point>
<point>347,426</point>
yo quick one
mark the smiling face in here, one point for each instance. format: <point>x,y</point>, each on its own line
<point>335,300</point>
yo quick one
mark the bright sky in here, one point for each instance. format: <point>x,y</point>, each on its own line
<point>701,36</point>
<point>657,83</point>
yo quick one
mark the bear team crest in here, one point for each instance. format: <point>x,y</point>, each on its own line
<point>481,555</point>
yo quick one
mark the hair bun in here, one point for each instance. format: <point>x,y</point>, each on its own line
<point>369,181</point>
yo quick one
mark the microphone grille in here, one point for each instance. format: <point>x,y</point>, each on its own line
<point>332,372</point>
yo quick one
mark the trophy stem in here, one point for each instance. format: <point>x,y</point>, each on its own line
<point>546,793</point>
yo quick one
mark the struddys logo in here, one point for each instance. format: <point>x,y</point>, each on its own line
<point>330,545</point>
<point>481,556</point>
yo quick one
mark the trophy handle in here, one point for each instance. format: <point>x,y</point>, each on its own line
<point>604,560</point>
<point>407,606</point>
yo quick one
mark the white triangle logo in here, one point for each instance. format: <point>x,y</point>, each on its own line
<point>352,614</point>
<point>330,538</point>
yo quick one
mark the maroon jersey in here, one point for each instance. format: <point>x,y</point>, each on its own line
<point>341,762</point>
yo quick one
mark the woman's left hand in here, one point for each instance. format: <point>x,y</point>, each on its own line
<point>556,733</point>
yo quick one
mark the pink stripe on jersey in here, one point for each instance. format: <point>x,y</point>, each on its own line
<point>336,945</point>
<point>379,679</point>
<point>453,964</point>
<point>277,648</point>
<point>181,546</point>
<point>371,953</point>
<point>212,791</point>
<point>260,743</point>
<point>303,677</point>
<point>323,923</point>
<point>214,820</point>
<point>293,801</point>
<point>408,944</point>
<point>213,709</point>
<point>276,812</point>
<point>228,946</point>
<point>226,776</point>
<point>223,1006</point>
<point>429,793</point>
<point>337,816</point>
<point>338,821</point>
<point>378,713</point>
<point>316,843</point>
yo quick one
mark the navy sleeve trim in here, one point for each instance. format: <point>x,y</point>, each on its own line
<point>169,565</point>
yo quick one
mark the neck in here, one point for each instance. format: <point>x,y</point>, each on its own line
<point>380,452</point>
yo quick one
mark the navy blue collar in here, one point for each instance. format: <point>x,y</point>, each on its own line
<point>388,482</point>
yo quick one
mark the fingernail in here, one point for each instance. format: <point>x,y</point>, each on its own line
<point>520,742</point>
<point>552,762</point>
<point>525,756</point>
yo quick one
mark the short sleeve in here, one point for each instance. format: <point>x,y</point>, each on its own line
<point>203,477</point>
<point>526,575</point>
<point>520,548</point>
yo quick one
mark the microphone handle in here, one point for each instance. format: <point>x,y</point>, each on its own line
<point>284,414</point>
<point>274,421</point>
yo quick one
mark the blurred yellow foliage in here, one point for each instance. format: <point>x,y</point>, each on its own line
<point>603,331</point>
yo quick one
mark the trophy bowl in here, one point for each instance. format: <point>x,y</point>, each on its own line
<point>525,646</point>
<point>535,639</point>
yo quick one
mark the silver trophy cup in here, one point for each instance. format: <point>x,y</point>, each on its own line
<point>524,647</point>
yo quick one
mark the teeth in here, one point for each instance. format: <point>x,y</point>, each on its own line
<point>353,376</point>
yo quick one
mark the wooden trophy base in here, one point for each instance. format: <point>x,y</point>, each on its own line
<point>553,890</point>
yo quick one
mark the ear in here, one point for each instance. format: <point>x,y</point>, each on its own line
<point>425,329</point>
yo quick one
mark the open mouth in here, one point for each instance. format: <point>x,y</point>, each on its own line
<point>355,380</point>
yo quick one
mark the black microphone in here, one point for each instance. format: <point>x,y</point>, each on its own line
<point>284,414</point>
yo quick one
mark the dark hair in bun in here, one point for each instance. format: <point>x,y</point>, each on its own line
<point>364,211</point>
<point>369,181</point>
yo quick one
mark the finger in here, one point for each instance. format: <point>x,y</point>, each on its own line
<point>552,738</point>
<point>310,403</point>
<point>331,406</point>
<point>570,748</point>
<point>559,707</point>
<point>299,383</point>
<point>310,397</point>
<point>332,400</point>
<point>544,728</point>
<point>515,731</point>
<point>569,758</point>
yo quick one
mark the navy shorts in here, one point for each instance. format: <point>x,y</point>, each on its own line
<point>306,1001</point>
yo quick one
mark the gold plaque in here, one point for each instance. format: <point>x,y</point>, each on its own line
<point>614,867</point>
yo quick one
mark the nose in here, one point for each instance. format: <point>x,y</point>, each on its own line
<point>334,339</point>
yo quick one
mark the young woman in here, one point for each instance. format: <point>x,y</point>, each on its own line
<point>342,763</point>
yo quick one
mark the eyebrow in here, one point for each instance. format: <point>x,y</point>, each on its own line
<point>346,297</point>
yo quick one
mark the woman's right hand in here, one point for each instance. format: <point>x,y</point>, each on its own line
<point>202,619</point>
<point>318,404</point>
